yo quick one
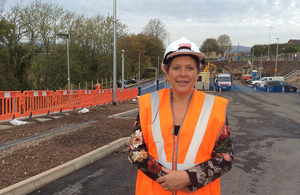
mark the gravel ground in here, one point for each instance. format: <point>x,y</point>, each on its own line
<point>31,158</point>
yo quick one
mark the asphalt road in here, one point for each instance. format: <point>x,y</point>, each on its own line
<point>266,134</point>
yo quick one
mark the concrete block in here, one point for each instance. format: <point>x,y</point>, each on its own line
<point>21,188</point>
<point>6,127</point>
<point>52,175</point>
<point>43,119</point>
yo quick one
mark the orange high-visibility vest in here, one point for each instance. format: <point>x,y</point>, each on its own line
<point>194,143</point>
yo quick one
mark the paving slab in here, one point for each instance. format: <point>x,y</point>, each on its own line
<point>43,119</point>
<point>2,127</point>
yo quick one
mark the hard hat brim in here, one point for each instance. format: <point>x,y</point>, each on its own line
<point>177,53</point>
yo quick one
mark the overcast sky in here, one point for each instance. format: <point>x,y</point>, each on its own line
<point>246,22</point>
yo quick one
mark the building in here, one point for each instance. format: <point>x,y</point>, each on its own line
<point>294,41</point>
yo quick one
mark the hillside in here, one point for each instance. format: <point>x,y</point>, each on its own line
<point>240,48</point>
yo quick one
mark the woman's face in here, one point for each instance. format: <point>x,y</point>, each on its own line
<point>183,74</point>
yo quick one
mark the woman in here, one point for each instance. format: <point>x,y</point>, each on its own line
<point>181,140</point>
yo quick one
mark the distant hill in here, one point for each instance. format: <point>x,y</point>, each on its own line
<point>240,48</point>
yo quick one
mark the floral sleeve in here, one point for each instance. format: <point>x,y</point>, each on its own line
<point>220,163</point>
<point>138,155</point>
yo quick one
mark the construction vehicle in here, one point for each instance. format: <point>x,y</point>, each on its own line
<point>223,82</point>
<point>216,69</point>
<point>206,77</point>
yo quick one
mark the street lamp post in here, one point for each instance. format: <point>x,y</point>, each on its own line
<point>139,66</point>
<point>157,66</point>
<point>155,73</point>
<point>269,43</point>
<point>115,59</point>
<point>123,69</point>
<point>276,56</point>
<point>252,54</point>
<point>67,35</point>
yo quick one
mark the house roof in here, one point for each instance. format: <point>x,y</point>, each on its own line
<point>294,41</point>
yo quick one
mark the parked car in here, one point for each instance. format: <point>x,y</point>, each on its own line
<point>288,87</point>
<point>255,78</point>
<point>263,79</point>
<point>265,75</point>
<point>262,84</point>
<point>132,81</point>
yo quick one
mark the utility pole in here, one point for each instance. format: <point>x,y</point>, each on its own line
<point>115,59</point>
<point>157,66</point>
<point>269,43</point>
<point>260,68</point>
<point>68,57</point>
<point>123,69</point>
<point>276,56</point>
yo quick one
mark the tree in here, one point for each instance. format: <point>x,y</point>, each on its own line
<point>225,43</point>
<point>155,29</point>
<point>7,80</point>
<point>209,45</point>
<point>153,48</point>
<point>42,21</point>
<point>131,44</point>
<point>2,4</point>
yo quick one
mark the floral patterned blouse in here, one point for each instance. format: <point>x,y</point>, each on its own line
<point>200,174</point>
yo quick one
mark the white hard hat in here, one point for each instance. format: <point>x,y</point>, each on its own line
<point>182,46</point>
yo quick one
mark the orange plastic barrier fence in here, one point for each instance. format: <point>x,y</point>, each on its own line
<point>66,100</point>
<point>15,104</point>
<point>109,93</point>
<point>87,98</point>
<point>101,97</point>
<point>10,104</point>
<point>132,93</point>
<point>37,102</point>
<point>121,95</point>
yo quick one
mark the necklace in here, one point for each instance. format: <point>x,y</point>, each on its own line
<point>172,95</point>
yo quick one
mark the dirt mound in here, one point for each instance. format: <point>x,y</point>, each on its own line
<point>283,67</point>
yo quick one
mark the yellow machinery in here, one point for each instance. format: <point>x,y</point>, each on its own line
<point>216,70</point>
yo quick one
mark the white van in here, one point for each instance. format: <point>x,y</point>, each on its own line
<point>224,82</point>
<point>264,79</point>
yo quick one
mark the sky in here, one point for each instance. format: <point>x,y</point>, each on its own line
<point>246,22</point>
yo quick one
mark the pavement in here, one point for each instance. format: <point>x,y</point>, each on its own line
<point>5,124</point>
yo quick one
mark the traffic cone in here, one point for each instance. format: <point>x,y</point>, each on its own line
<point>220,89</point>
<point>282,89</point>
<point>254,88</point>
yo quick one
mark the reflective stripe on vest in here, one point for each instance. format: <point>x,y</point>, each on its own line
<point>196,139</point>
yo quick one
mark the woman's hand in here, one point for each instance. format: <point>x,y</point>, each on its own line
<point>174,180</point>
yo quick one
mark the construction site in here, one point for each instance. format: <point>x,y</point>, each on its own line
<point>290,70</point>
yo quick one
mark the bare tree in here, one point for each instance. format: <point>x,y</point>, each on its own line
<point>2,4</point>
<point>155,28</point>
<point>225,42</point>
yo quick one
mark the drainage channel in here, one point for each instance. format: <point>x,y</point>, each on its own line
<point>11,144</point>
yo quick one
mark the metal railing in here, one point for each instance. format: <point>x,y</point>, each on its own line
<point>291,74</point>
